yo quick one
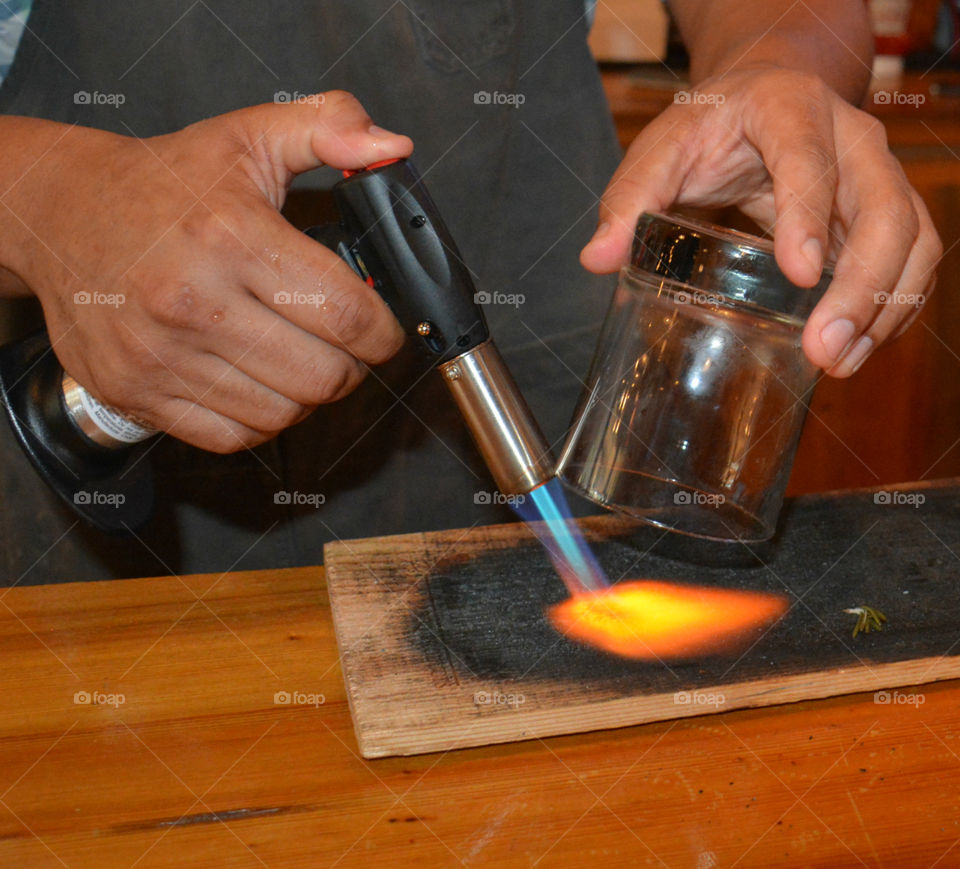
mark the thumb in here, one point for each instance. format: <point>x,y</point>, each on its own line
<point>648,179</point>
<point>329,128</point>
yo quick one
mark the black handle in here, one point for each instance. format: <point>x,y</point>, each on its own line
<point>391,232</point>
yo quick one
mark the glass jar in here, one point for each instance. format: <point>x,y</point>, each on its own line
<point>699,387</point>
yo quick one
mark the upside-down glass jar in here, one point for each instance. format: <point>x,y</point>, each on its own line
<point>699,387</point>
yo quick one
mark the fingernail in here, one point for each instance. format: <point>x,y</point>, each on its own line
<point>836,337</point>
<point>858,354</point>
<point>813,253</point>
<point>379,132</point>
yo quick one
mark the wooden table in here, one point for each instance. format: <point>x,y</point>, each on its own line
<point>197,765</point>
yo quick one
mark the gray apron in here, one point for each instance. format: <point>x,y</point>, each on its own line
<point>517,185</point>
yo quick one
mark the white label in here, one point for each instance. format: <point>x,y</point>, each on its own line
<point>118,425</point>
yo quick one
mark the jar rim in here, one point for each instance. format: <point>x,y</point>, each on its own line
<point>717,260</point>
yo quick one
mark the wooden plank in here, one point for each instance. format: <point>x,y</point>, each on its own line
<point>444,641</point>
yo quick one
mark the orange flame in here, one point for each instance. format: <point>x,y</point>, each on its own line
<point>655,620</point>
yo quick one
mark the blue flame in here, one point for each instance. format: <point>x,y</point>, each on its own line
<point>546,511</point>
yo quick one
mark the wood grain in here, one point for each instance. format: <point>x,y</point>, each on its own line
<point>445,644</point>
<point>198,767</point>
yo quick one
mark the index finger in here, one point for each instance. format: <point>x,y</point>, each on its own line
<point>309,285</point>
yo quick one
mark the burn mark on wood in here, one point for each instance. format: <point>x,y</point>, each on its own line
<point>484,617</point>
<point>436,623</point>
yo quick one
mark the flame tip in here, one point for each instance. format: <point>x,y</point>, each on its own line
<point>656,619</point>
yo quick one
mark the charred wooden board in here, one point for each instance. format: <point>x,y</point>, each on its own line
<point>445,643</point>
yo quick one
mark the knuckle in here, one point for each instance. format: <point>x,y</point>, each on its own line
<point>279,414</point>
<point>808,84</point>
<point>875,132</point>
<point>896,212</point>
<point>178,305</point>
<point>387,348</point>
<point>621,198</point>
<point>351,318</point>
<point>290,414</point>
<point>809,152</point>
<point>337,100</point>
<point>207,229</point>
<point>672,134</point>
<point>331,382</point>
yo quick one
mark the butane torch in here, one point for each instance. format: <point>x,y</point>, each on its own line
<point>392,235</point>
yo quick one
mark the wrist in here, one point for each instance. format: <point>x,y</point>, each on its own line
<point>38,171</point>
<point>850,86</point>
<point>822,38</point>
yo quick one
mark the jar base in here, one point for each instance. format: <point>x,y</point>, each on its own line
<point>675,507</point>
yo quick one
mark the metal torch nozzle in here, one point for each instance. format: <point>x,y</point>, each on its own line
<point>508,436</point>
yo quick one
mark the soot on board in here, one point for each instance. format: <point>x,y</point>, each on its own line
<point>485,617</point>
<point>491,615</point>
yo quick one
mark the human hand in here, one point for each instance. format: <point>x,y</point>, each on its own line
<point>172,287</point>
<point>793,155</point>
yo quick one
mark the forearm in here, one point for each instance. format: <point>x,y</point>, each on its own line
<point>27,159</point>
<point>829,38</point>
